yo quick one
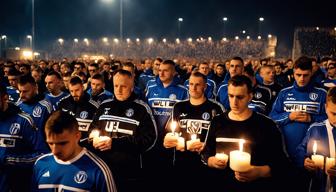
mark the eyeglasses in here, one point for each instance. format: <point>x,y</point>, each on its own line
<point>331,68</point>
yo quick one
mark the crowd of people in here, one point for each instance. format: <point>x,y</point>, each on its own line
<point>199,49</point>
<point>168,125</point>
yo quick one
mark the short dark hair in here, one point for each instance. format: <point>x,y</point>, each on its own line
<point>129,64</point>
<point>169,62</point>
<point>23,80</point>
<point>95,65</point>
<point>14,72</point>
<point>123,72</point>
<point>56,74</point>
<point>303,63</point>
<point>199,74</point>
<point>60,121</point>
<point>331,96</point>
<point>75,80</point>
<point>241,80</point>
<point>238,59</point>
<point>248,70</point>
<point>98,76</point>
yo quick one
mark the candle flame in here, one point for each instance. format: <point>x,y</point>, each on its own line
<point>314,147</point>
<point>241,144</point>
<point>173,126</point>
<point>193,137</point>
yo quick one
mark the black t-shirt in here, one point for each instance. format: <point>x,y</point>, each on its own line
<point>193,119</point>
<point>263,142</point>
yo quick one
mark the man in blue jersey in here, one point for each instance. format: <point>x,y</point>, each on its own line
<point>236,68</point>
<point>69,167</point>
<point>97,90</point>
<point>20,146</point>
<point>211,88</point>
<point>33,103</point>
<point>12,90</point>
<point>164,93</point>
<point>54,85</point>
<point>323,133</point>
<point>299,106</point>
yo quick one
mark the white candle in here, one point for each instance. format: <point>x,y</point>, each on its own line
<point>222,156</point>
<point>97,138</point>
<point>174,136</point>
<point>330,162</point>
<point>240,161</point>
<point>94,133</point>
<point>318,159</point>
<point>193,140</point>
<point>180,144</point>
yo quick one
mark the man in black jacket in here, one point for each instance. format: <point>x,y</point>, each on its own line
<point>80,105</point>
<point>129,129</point>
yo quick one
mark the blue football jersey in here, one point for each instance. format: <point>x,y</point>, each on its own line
<point>85,172</point>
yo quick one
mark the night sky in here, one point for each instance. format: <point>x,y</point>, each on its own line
<point>158,18</point>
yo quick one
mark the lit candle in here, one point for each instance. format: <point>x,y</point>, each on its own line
<point>222,156</point>
<point>193,140</point>
<point>240,161</point>
<point>95,134</point>
<point>318,159</point>
<point>330,162</point>
<point>174,136</point>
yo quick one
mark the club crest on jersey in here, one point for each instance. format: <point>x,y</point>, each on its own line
<point>129,112</point>
<point>194,127</point>
<point>37,111</point>
<point>205,116</point>
<point>80,177</point>
<point>106,111</point>
<point>257,95</point>
<point>14,128</point>
<point>83,114</point>
<point>313,96</point>
<point>172,96</point>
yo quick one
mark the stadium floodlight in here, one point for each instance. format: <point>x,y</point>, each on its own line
<point>261,19</point>
<point>150,40</point>
<point>61,41</point>
<point>248,37</point>
<point>225,19</point>
<point>164,40</point>
<point>75,40</point>
<point>269,36</point>
<point>190,40</point>
<point>236,37</point>
<point>259,37</point>
<point>105,39</point>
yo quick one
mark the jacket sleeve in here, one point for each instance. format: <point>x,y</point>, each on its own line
<point>278,114</point>
<point>301,150</point>
<point>36,144</point>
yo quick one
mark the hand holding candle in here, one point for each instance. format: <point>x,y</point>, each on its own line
<point>191,142</point>
<point>222,157</point>
<point>330,162</point>
<point>97,138</point>
<point>172,139</point>
<point>240,161</point>
<point>318,159</point>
